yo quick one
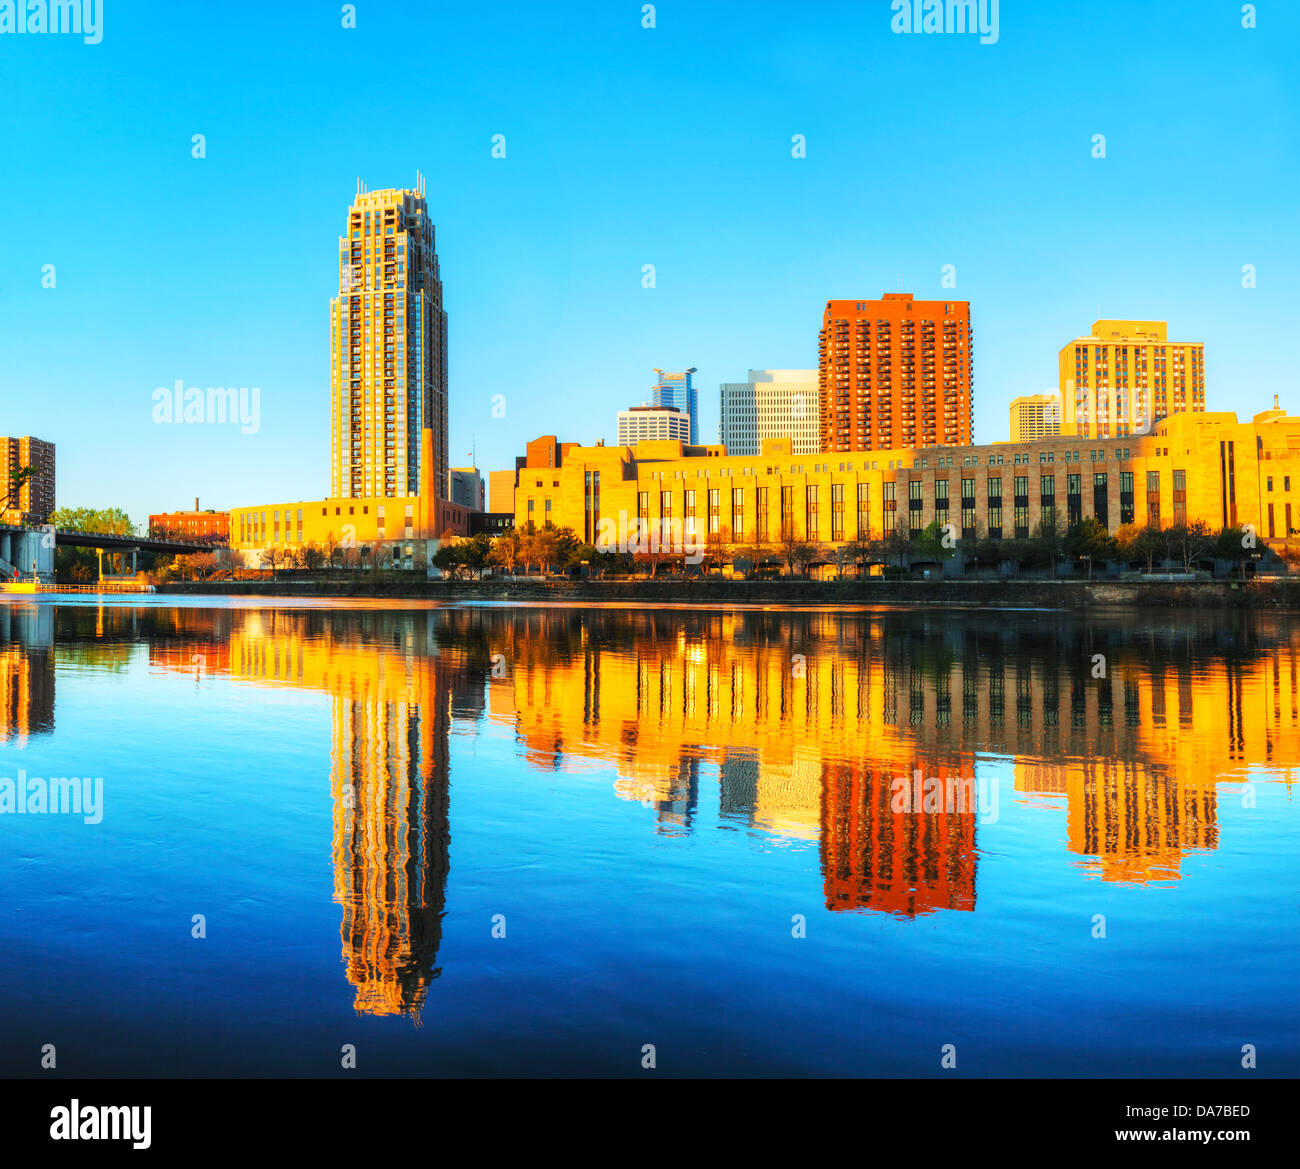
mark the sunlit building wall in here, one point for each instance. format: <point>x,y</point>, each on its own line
<point>388,349</point>
<point>1035,416</point>
<point>1193,466</point>
<point>1125,376</point>
<point>896,372</point>
<point>774,403</point>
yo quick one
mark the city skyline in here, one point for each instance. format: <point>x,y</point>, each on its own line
<point>529,293</point>
<point>699,542</point>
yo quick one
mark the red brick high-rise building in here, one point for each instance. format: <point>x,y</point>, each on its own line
<point>895,372</point>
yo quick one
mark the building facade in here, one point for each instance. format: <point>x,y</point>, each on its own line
<point>501,490</point>
<point>647,423</point>
<point>401,531</point>
<point>774,403</point>
<point>209,526</point>
<point>388,355</point>
<point>465,487</point>
<point>1035,416</point>
<point>678,391</point>
<point>1126,376</point>
<point>351,533</point>
<point>895,372</point>
<point>1199,466</point>
<point>33,501</point>
<point>544,453</point>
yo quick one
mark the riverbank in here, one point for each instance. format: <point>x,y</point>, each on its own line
<point>1268,593</point>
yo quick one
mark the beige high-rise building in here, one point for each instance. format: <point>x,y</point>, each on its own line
<point>1035,416</point>
<point>33,502</point>
<point>774,403</point>
<point>1126,376</point>
<point>388,350</point>
<point>646,423</point>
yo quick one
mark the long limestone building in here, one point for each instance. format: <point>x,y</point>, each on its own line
<point>1192,466</point>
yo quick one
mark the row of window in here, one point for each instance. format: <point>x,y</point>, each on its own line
<point>993,495</point>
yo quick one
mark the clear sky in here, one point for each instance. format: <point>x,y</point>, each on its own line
<point>625,146</point>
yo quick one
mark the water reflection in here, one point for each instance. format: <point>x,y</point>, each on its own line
<point>26,672</point>
<point>805,720</point>
<point>393,693</point>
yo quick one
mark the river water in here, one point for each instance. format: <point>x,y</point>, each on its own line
<point>488,840</point>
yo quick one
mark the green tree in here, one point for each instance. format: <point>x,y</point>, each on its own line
<point>1189,543</point>
<point>930,543</point>
<point>529,546</point>
<point>312,557</point>
<point>564,543</point>
<point>1023,552</point>
<point>477,553</point>
<point>1088,540</point>
<point>1233,545</point>
<point>449,559</point>
<point>18,476</point>
<point>505,551</point>
<point>591,557</point>
<point>1143,543</point>
<point>548,547</point>
<point>103,521</point>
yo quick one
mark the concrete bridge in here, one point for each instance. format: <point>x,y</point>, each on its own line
<point>30,551</point>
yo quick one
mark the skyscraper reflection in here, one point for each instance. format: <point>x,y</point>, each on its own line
<point>26,672</point>
<point>804,720</point>
<point>392,688</point>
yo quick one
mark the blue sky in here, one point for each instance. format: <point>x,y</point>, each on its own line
<point>625,146</point>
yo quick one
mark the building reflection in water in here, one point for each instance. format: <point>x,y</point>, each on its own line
<point>805,719</point>
<point>809,716</point>
<point>393,693</point>
<point>26,672</point>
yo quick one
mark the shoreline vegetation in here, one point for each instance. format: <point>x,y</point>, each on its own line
<point>1268,592</point>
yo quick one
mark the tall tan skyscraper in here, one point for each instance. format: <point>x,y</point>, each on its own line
<point>895,372</point>
<point>388,351</point>
<point>1035,416</point>
<point>1126,377</point>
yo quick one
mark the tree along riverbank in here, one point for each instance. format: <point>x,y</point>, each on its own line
<point>1277,593</point>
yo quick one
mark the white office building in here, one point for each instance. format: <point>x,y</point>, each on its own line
<point>774,403</point>
<point>644,423</point>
